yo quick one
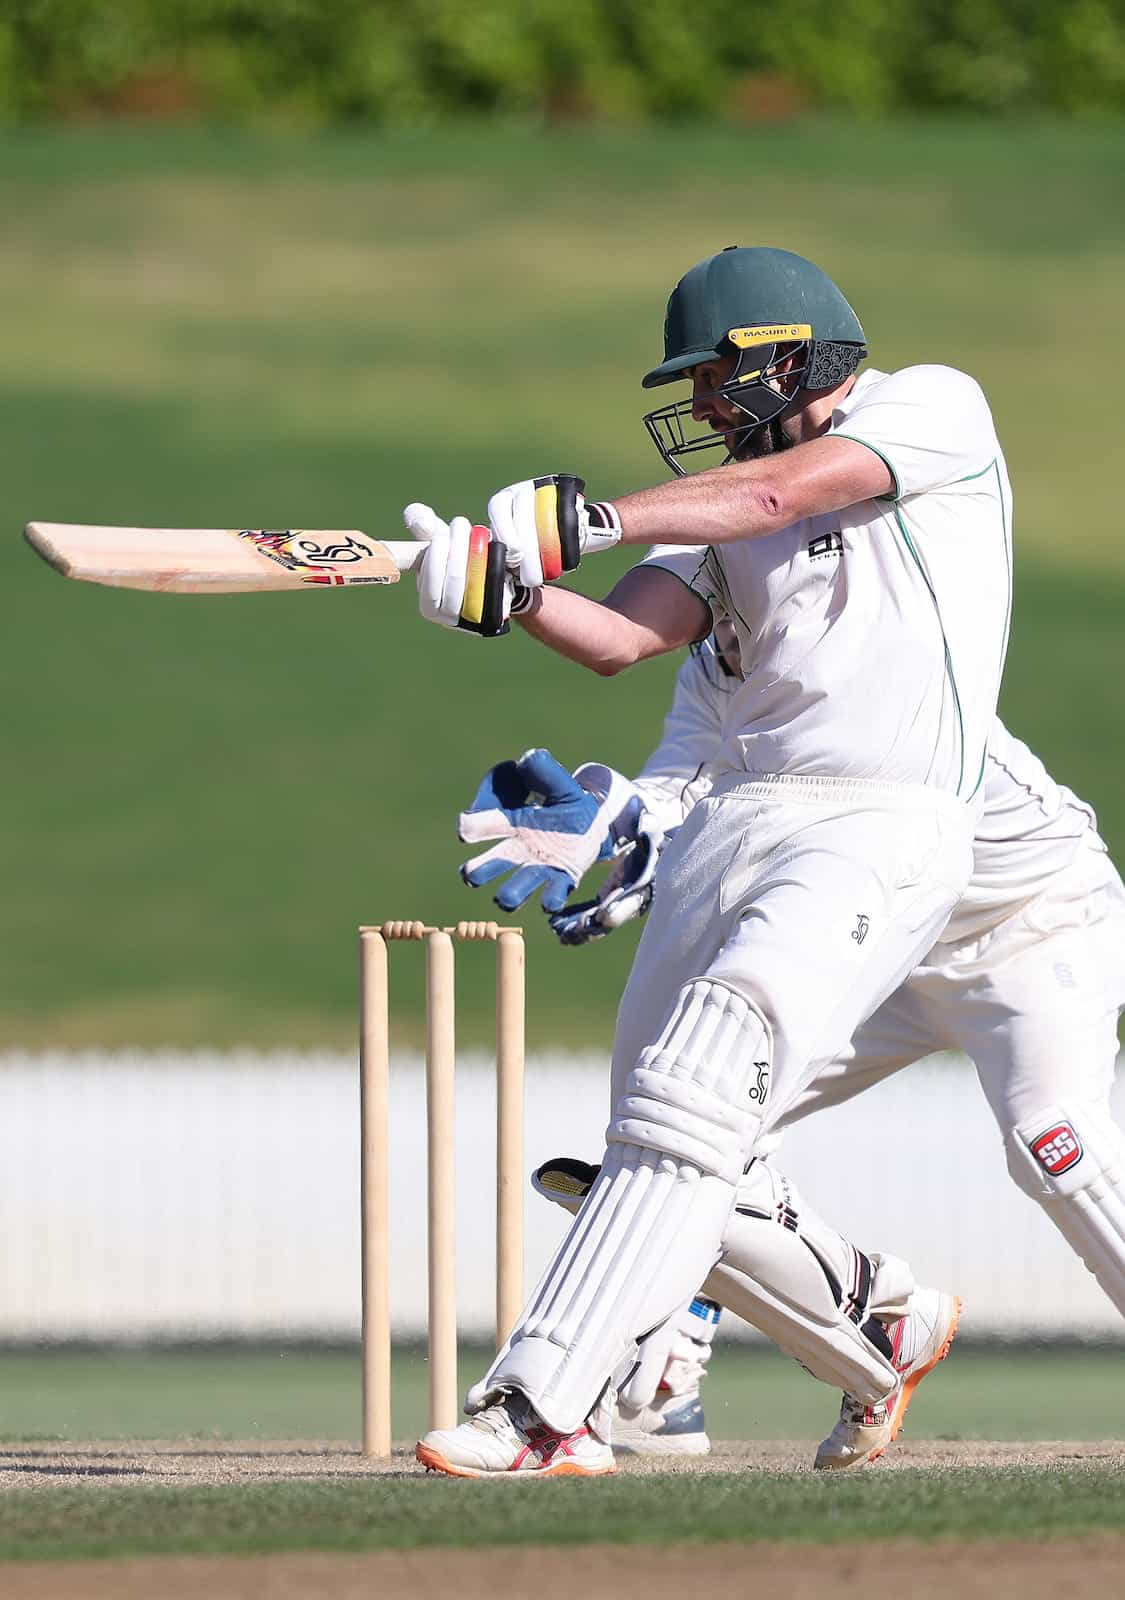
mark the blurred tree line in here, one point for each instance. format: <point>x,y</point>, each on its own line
<point>411,62</point>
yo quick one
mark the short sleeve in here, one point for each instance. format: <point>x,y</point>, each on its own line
<point>931,425</point>
<point>698,568</point>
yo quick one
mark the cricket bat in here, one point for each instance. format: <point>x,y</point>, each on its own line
<point>220,560</point>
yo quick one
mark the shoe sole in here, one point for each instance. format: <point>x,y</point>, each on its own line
<point>906,1395</point>
<point>915,1378</point>
<point>434,1461</point>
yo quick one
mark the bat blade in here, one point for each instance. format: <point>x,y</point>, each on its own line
<point>220,560</point>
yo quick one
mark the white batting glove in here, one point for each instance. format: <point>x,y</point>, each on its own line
<point>547,526</point>
<point>463,581</point>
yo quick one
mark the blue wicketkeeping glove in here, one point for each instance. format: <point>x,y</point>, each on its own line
<point>551,826</point>
<point>625,894</point>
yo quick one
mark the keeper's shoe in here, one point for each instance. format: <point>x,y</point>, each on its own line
<point>510,1439</point>
<point>672,1426</point>
<point>918,1342</point>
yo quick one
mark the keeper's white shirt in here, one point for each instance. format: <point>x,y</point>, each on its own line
<point>1030,828</point>
<point>873,639</point>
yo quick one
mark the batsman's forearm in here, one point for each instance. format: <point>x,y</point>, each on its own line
<point>752,499</point>
<point>708,508</point>
<point>590,632</point>
<point>582,630</point>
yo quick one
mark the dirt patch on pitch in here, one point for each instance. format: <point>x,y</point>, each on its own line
<point>222,1463</point>
<point>985,1571</point>
<point>147,1462</point>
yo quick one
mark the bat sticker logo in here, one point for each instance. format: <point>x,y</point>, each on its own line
<point>323,555</point>
<point>290,550</point>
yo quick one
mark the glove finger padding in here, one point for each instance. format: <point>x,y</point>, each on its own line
<point>486,593</point>
<point>579,923</point>
<point>490,864</point>
<point>424,524</point>
<point>526,878</point>
<point>543,774</point>
<point>463,580</point>
<point>552,827</point>
<point>539,522</point>
<point>500,807</point>
<point>555,884</point>
<point>558,500</point>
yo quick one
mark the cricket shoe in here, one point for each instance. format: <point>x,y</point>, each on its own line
<point>672,1426</point>
<point>509,1439</point>
<point>918,1342</point>
<point>669,1422</point>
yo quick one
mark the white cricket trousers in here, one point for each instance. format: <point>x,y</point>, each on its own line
<point>786,910</point>
<point>813,898</point>
<point>1034,1002</point>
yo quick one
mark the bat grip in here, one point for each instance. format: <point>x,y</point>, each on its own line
<point>406,554</point>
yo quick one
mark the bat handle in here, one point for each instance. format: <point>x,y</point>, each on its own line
<point>406,554</point>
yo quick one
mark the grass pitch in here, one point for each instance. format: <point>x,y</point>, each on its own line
<point>227,1488</point>
<point>661,1509</point>
<point>202,798</point>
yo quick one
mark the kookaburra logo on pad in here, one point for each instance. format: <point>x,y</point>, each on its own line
<point>762,1087</point>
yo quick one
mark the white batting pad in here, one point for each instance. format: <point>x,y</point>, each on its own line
<point>699,1092</point>
<point>1072,1160</point>
<point>648,1232</point>
<point>806,1287</point>
<point>651,1226</point>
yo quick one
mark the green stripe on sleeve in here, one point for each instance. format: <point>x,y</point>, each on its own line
<point>875,451</point>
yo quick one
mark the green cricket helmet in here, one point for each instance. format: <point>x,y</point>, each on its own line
<point>766,308</point>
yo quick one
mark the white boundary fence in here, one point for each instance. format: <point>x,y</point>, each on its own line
<point>202,1195</point>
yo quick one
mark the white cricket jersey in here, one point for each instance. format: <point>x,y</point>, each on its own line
<point>873,638</point>
<point>1030,828</point>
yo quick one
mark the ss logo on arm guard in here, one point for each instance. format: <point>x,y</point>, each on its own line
<point>1057,1149</point>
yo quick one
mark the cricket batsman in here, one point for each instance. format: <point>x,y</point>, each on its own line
<point>857,535</point>
<point>1027,978</point>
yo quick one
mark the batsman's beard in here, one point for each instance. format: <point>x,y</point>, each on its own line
<point>767,440</point>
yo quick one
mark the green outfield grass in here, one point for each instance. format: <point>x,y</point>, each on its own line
<point>62,1524</point>
<point>752,1393</point>
<point>202,798</point>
